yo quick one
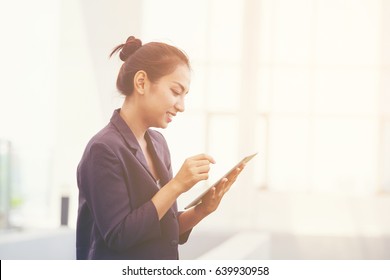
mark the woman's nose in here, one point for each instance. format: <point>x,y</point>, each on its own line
<point>180,106</point>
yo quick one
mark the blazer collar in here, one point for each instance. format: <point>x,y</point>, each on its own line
<point>125,131</point>
<point>131,140</point>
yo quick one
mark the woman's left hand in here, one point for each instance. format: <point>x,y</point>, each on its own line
<point>211,200</point>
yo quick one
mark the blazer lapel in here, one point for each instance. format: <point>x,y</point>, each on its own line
<point>130,139</point>
<point>157,152</point>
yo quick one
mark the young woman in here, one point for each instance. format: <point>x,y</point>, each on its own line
<point>127,193</point>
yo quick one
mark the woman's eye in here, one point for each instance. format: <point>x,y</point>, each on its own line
<point>175,92</point>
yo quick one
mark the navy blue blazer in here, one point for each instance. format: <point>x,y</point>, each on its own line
<point>116,218</point>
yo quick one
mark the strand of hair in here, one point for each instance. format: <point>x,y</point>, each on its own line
<point>117,49</point>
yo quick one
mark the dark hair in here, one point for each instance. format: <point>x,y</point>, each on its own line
<point>155,58</point>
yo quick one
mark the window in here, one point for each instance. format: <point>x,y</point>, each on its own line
<point>314,83</point>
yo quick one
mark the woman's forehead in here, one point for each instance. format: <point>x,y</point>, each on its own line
<point>180,76</point>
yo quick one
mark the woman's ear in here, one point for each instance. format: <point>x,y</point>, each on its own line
<point>139,81</point>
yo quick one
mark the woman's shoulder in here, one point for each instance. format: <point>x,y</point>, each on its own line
<point>107,137</point>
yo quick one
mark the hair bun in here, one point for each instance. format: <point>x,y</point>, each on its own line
<point>132,44</point>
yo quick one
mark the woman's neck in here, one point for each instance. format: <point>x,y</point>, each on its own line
<point>131,116</point>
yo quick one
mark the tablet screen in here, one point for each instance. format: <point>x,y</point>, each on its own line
<point>198,200</point>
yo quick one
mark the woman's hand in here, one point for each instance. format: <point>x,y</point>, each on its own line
<point>211,200</point>
<point>193,170</point>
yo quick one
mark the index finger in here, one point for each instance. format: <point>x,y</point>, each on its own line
<point>202,162</point>
<point>204,156</point>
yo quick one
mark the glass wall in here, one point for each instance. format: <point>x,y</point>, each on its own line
<point>315,84</point>
<point>301,82</point>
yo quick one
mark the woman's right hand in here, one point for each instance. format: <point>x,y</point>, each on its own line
<point>193,170</point>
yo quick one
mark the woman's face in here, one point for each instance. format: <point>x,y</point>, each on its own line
<point>165,98</point>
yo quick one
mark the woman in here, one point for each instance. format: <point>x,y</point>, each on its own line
<point>127,194</point>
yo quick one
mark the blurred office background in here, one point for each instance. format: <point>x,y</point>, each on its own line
<point>305,83</point>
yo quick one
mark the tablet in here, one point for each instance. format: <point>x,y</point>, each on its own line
<point>198,200</point>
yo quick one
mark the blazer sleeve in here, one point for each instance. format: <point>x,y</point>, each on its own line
<point>108,198</point>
